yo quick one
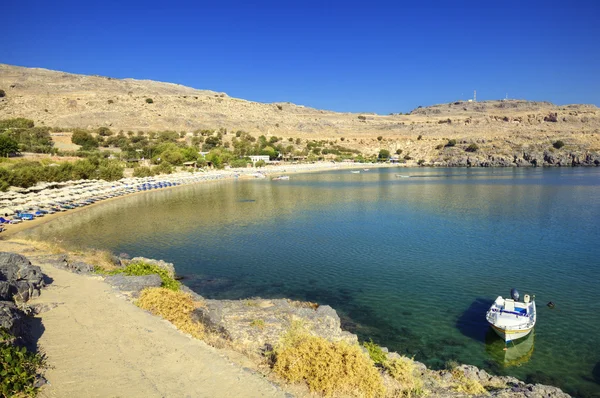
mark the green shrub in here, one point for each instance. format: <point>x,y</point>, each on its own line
<point>2,93</point>
<point>84,139</point>
<point>164,168</point>
<point>143,171</point>
<point>451,143</point>
<point>8,145</point>
<point>375,352</point>
<point>110,171</point>
<point>149,101</point>
<point>420,137</point>
<point>472,148</point>
<point>260,163</point>
<point>379,138</point>
<point>17,123</point>
<point>420,162</point>
<point>383,154</point>
<point>18,368</point>
<point>361,117</point>
<point>440,146</point>
<point>104,131</point>
<point>141,268</point>
<point>111,101</point>
<point>398,151</point>
<point>558,144</point>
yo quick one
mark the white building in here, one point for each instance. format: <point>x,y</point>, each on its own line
<point>256,158</point>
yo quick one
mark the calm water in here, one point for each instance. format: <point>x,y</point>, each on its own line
<point>411,262</point>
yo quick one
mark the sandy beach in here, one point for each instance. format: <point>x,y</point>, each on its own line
<point>211,176</point>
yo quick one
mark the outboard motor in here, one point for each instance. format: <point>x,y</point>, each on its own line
<point>514,294</point>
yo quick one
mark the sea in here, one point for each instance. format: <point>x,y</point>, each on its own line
<point>410,258</point>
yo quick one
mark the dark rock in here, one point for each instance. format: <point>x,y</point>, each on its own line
<point>25,280</point>
<point>11,318</point>
<point>5,291</point>
<point>133,284</point>
<point>79,267</point>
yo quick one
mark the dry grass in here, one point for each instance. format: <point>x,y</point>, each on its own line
<point>175,307</point>
<point>328,368</point>
<point>467,386</point>
<point>402,370</point>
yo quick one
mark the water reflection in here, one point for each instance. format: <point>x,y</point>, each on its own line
<point>513,354</point>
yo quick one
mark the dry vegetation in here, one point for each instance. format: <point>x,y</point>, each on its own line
<point>174,306</point>
<point>501,128</point>
<point>328,368</point>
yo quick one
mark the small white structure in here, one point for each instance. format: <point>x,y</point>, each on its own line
<point>256,158</point>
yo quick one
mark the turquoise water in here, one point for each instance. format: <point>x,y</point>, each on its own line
<point>412,263</point>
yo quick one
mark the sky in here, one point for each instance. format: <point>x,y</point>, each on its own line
<point>381,57</point>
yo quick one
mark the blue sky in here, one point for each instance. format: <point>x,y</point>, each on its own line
<point>346,56</point>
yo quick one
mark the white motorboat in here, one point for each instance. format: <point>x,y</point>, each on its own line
<point>281,178</point>
<point>355,171</point>
<point>510,318</point>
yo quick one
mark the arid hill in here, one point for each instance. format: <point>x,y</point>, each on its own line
<point>505,133</point>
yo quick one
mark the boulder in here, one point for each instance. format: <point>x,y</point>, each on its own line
<point>11,318</point>
<point>24,280</point>
<point>257,323</point>
<point>169,267</point>
<point>133,284</point>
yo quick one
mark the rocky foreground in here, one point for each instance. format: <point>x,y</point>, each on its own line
<point>251,326</point>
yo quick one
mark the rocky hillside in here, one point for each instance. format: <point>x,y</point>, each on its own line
<point>503,133</point>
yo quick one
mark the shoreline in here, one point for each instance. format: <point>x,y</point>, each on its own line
<point>224,175</point>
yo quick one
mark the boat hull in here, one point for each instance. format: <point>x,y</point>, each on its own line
<point>511,335</point>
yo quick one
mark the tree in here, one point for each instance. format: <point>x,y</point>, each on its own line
<point>558,144</point>
<point>110,171</point>
<point>384,154</point>
<point>104,132</point>
<point>8,145</point>
<point>84,139</point>
<point>472,148</point>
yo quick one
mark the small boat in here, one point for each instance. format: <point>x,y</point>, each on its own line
<point>355,171</point>
<point>402,176</point>
<point>280,178</point>
<point>512,319</point>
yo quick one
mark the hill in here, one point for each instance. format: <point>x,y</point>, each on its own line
<point>507,132</point>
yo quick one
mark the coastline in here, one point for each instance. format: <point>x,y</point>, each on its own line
<point>224,175</point>
<point>26,225</point>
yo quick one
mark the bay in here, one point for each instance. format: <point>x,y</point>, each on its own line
<point>411,258</point>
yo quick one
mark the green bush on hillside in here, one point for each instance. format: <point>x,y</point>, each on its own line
<point>558,144</point>
<point>84,139</point>
<point>472,148</point>
<point>149,101</point>
<point>451,143</point>
<point>2,93</point>
<point>8,145</point>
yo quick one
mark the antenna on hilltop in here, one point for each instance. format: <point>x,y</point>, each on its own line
<point>474,95</point>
